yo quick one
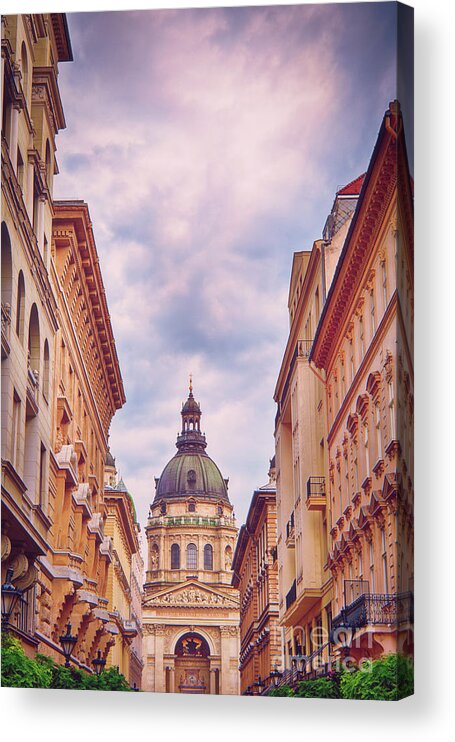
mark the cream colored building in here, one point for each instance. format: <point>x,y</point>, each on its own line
<point>303,518</point>
<point>364,349</point>
<point>190,611</point>
<point>125,576</point>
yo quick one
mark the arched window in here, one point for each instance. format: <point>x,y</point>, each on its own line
<point>208,556</point>
<point>46,371</point>
<point>175,556</point>
<point>191,506</point>
<point>7,283</point>
<point>191,556</point>
<point>34,341</point>
<point>20,307</point>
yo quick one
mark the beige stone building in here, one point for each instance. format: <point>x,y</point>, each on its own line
<point>190,610</point>
<point>305,581</point>
<point>255,568</point>
<point>363,347</point>
<point>125,576</point>
<point>61,381</point>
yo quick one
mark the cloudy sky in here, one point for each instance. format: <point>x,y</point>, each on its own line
<point>209,145</point>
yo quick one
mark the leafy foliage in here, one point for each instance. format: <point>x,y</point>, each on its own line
<point>319,688</point>
<point>282,691</point>
<point>20,671</point>
<point>390,679</point>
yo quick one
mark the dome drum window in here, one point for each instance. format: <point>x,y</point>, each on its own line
<point>191,556</point>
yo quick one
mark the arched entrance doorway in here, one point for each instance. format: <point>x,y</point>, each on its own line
<point>192,664</point>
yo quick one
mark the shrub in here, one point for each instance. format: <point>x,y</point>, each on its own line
<point>20,671</point>
<point>318,688</point>
<point>282,691</point>
<point>390,679</point>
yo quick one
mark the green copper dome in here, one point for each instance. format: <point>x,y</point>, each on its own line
<point>191,471</point>
<point>191,474</point>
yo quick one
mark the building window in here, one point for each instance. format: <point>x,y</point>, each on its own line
<point>384,561</point>
<point>42,477</point>
<point>15,429</point>
<point>191,556</point>
<point>391,408</point>
<point>46,371</point>
<point>384,284</point>
<point>372,313</point>
<point>356,466</point>
<point>367,450</point>
<point>361,337</point>
<point>372,566</point>
<point>377,413</point>
<point>208,557</point>
<point>191,506</point>
<point>175,556</point>
<point>351,357</point>
<point>360,565</point>
<point>20,307</point>
<point>163,504</point>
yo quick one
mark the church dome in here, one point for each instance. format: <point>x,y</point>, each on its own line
<point>191,471</point>
<point>191,474</point>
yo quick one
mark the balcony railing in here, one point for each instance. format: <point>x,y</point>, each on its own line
<point>32,393</point>
<point>290,531</point>
<point>315,493</point>
<point>291,595</point>
<point>6,329</point>
<point>377,608</point>
<point>196,520</point>
<point>315,487</point>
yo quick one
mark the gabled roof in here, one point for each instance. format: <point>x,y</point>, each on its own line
<point>353,188</point>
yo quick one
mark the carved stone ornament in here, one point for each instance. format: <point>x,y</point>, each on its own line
<point>192,596</point>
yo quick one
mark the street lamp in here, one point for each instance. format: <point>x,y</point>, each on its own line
<point>259,684</point>
<point>248,691</point>
<point>98,663</point>
<point>68,641</point>
<point>344,636</point>
<point>10,596</point>
<point>276,675</point>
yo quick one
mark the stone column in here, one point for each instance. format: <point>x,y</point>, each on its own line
<point>225,642</point>
<point>212,680</point>
<point>159,666</point>
<point>171,679</point>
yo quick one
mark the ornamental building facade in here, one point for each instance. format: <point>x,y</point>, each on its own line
<point>190,610</point>
<point>255,568</point>
<point>61,381</point>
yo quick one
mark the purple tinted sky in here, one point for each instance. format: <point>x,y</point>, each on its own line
<point>209,145</point>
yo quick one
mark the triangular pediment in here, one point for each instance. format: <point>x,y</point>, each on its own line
<point>194,594</point>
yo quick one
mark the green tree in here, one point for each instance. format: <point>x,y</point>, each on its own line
<point>388,678</point>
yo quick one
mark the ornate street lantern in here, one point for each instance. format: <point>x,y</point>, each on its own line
<point>259,685</point>
<point>344,636</point>
<point>248,691</point>
<point>276,675</point>
<point>98,663</point>
<point>68,641</point>
<point>10,596</point>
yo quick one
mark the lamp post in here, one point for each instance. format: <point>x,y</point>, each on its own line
<point>98,663</point>
<point>276,676</point>
<point>10,596</point>
<point>68,641</point>
<point>259,684</point>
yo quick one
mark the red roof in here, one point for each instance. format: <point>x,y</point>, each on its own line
<point>352,188</point>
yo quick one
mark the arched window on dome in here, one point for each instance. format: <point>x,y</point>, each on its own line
<point>191,556</point>
<point>175,556</point>
<point>208,557</point>
<point>191,506</point>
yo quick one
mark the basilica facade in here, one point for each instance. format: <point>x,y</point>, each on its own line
<point>190,610</point>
